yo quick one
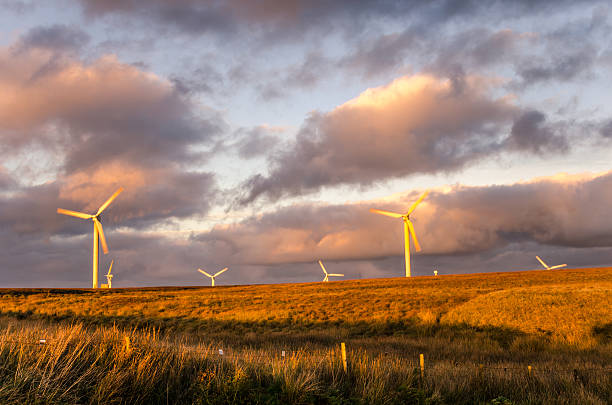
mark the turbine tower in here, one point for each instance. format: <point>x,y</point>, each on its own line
<point>326,278</point>
<point>547,267</point>
<point>98,232</point>
<point>109,277</point>
<point>212,278</point>
<point>408,229</point>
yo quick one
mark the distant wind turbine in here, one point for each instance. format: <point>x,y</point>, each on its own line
<point>326,278</point>
<point>109,277</point>
<point>212,278</point>
<point>408,229</point>
<point>547,267</point>
<point>98,232</point>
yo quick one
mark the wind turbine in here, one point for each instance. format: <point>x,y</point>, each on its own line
<point>326,279</point>
<point>109,277</point>
<point>408,229</point>
<point>549,267</point>
<point>212,278</point>
<point>97,233</point>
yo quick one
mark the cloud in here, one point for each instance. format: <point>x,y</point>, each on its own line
<point>529,132</point>
<point>104,124</point>
<point>562,211</point>
<point>606,129</point>
<point>416,124</point>
<point>560,67</point>
<point>291,19</point>
<point>102,111</point>
<point>57,37</point>
<point>6,180</point>
<point>387,52</point>
<point>257,141</point>
<point>462,229</point>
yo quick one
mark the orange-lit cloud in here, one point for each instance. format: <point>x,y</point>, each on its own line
<point>562,210</point>
<point>106,124</point>
<point>415,124</point>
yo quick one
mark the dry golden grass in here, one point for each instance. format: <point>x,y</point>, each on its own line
<point>559,322</point>
<point>569,305</point>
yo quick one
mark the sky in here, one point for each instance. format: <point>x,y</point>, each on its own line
<point>256,135</point>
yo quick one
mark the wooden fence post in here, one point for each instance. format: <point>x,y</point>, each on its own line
<point>422,365</point>
<point>343,348</point>
<point>126,344</point>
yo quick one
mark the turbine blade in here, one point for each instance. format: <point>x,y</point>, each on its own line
<point>387,213</point>
<point>337,275</point>
<point>417,202</point>
<point>542,261</point>
<point>111,267</point>
<point>110,200</point>
<point>220,271</point>
<point>557,266</point>
<point>323,267</point>
<point>203,272</point>
<point>101,234</point>
<point>74,213</point>
<point>417,246</point>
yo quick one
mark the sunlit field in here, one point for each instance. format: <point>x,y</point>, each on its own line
<point>480,334</point>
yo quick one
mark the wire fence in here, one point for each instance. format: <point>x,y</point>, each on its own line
<point>332,354</point>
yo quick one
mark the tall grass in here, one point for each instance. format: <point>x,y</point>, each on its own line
<point>81,364</point>
<point>559,323</point>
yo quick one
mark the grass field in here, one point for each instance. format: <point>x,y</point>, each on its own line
<point>478,334</point>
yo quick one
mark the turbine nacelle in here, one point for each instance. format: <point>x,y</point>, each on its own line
<point>212,276</point>
<point>327,275</point>
<point>98,230</point>
<point>109,277</point>
<point>408,228</point>
<point>547,267</point>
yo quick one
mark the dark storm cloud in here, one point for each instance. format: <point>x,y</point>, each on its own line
<point>562,211</point>
<point>282,19</point>
<point>418,124</point>
<point>474,49</point>
<point>606,129</point>
<point>103,111</point>
<point>168,195</point>
<point>559,67</point>
<point>105,124</point>
<point>462,230</point>
<point>567,52</point>
<point>204,79</point>
<point>530,133</point>
<point>17,6</point>
<point>384,53</point>
<point>6,181</point>
<point>257,141</point>
<point>276,84</point>
<point>57,37</point>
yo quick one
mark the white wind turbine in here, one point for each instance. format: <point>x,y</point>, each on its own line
<point>408,229</point>
<point>326,278</point>
<point>109,277</point>
<point>549,267</point>
<point>98,232</point>
<point>212,278</point>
